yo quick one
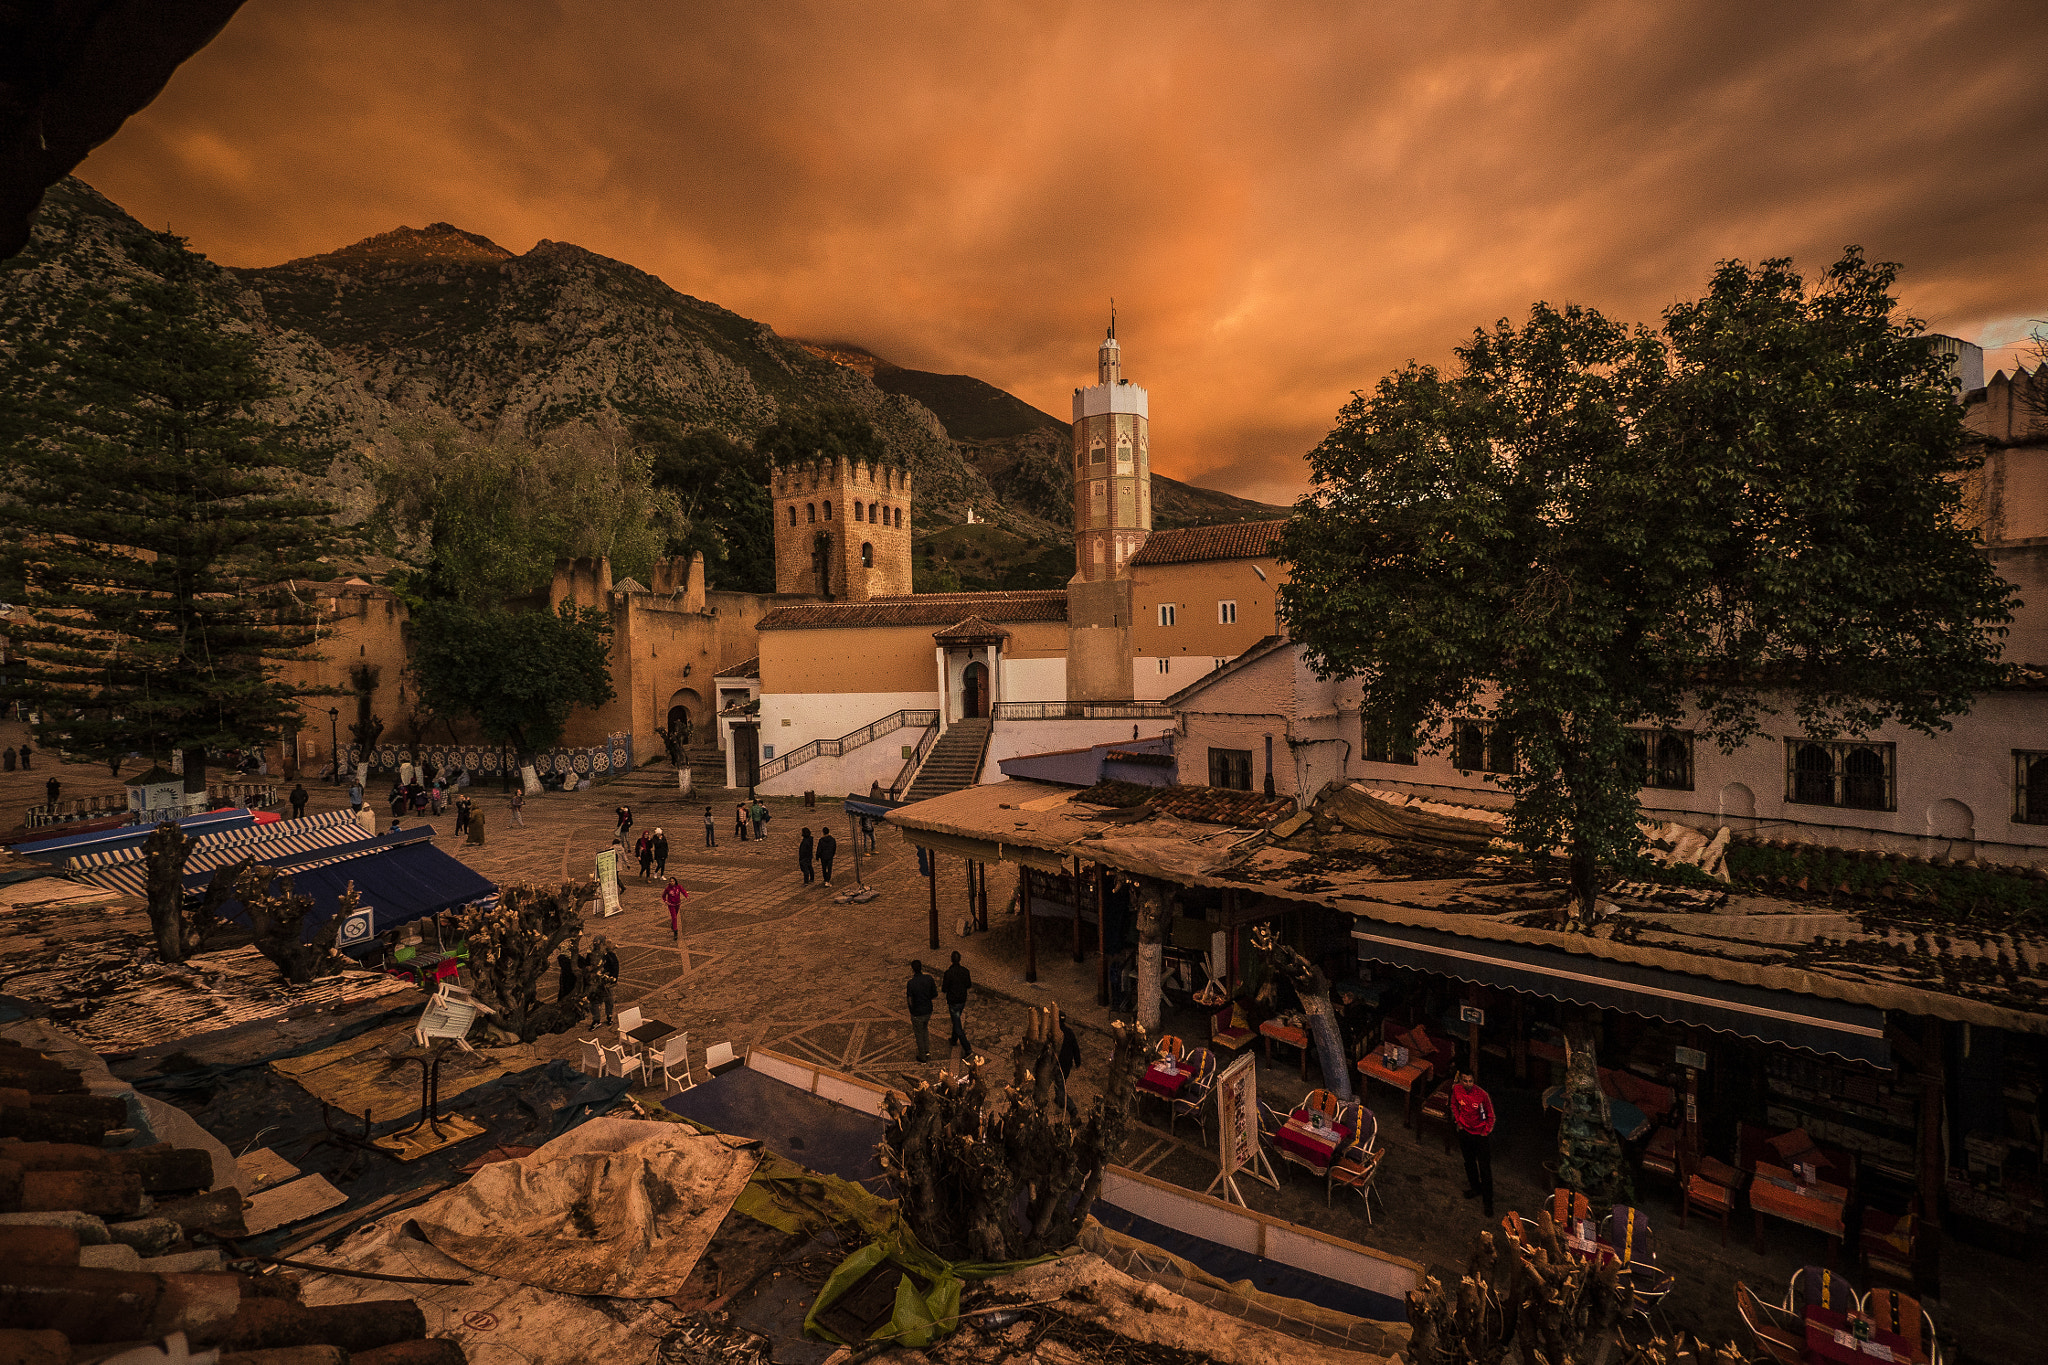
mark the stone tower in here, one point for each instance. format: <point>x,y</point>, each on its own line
<point>842,529</point>
<point>1112,516</point>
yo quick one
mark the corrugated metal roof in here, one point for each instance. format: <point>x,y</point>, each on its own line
<point>1192,544</point>
<point>925,609</point>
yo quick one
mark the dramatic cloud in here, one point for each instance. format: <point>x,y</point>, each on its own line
<point>1286,201</point>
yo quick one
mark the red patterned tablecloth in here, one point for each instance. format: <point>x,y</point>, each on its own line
<point>1163,1081</point>
<point>1828,1337</point>
<point>1299,1141</point>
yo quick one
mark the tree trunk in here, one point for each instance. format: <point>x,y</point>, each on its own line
<point>195,770</point>
<point>1155,913</point>
<point>163,856</point>
<point>1313,989</point>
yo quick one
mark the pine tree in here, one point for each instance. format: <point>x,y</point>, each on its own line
<point>158,523</point>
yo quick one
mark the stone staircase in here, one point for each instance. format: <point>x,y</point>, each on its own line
<point>954,762</point>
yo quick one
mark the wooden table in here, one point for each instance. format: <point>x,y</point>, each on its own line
<point>1273,1031</point>
<point>1829,1336</point>
<point>1404,1079</point>
<point>1302,1143</point>
<point>1778,1192</point>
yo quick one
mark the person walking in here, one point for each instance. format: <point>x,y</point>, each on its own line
<point>867,831</point>
<point>660,847</point>
<point>437,799</point>
<point>396,801</point>
<point>710,830</point>
<point>644,851</point>
<point>462,809</point>
<point>739,822</point>
<point>922,990</point>
<point>625,814</point>
<point>299,799</point>
<point>419,803</point>
<point>1472,1111</point>
<point>803,855</point>
<point>24,758</point>
<point>518,807</point>
<point>759,813</point>
<point>355,795</point>
<point>673,895</point>
<point>956,983</point>
<point>52,788</point>
<point>828,849</point>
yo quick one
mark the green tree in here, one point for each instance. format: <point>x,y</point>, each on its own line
<point>833,432</point>
<point>723,506</point>
<point>1586,528</point>
<point>156,519</point>
<point>483,520</point>
<point>517,674</point>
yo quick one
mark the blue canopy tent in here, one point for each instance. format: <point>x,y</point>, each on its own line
<point>130,836</point>
<point>874,807</point>
<point>401,876</point>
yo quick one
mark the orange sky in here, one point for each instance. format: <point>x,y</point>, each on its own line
<point>1286,200</point>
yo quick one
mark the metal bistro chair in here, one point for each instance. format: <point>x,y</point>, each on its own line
<point>1628,1232</point>
<point>1902,1315</point>
<point>1818,1285</point>
<point>1358,1165</point>
<point>1323,1100</point>
<point>1781,1337</point>
<point>1171,1049</point>
<point>1193,1099</point>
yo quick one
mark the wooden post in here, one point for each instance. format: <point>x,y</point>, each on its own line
<point>1101,936</point>
<point>1030,946</point>
<point>1933,1089</point>
<point>1472,998</point>
<point>932,883</point>
<point>981,897</point>
<point>1079,951</point>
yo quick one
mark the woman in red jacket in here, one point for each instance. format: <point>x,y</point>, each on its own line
<point>1472,1111</point>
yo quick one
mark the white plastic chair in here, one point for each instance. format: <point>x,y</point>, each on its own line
<point>589,1057</point>
<point>619,1062</point>
<point>674,1062</point>
<point>717,1057</point>
<point>628,1019</point>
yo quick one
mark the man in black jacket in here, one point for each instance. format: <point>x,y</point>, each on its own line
<point>956,983</point>
<point>828,849</point>
<point>922,991</point>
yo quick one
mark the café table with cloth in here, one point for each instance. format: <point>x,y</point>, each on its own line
<point>1407,1079</point>
<point>1782,1194</point>
<point>1164,1078</point>
<point>1302,1142</point>
<point>1830,1335</point>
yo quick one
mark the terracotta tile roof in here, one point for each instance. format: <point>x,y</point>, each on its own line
<point>972,630</point>
<point>748,668</point>
<point>1192,544</point>
<point>924,609</point>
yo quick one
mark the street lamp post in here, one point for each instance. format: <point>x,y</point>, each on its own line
<point>334,743</point>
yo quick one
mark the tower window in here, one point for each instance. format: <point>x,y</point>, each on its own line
<point>867,555</point>
<point>1166,665</point>
<point>811,511</point>
<point>899,518</point>
<point>1226,613</point>
<point>828,511</point>
<point>1096,454</point>
<point>792,514</point>
<point>1166,615</point>
<point>857,512</point>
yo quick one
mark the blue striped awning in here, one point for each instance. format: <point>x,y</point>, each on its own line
<point>60,847</point>
<point>279,844</point>
<point>245,834</point>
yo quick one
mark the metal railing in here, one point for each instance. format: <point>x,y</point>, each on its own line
<point>912,764</point>
<point>832,748</point>
<point>1080,710</point>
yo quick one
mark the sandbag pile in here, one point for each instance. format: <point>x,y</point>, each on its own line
<point>97,1249</point>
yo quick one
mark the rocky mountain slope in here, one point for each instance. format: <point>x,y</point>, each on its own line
<point>440,325</point>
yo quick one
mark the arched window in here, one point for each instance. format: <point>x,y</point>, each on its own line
<point>828,511</point>
<point>1863,784</point>
<point>857,510</point>
<point>1813,775</point>
<point>811,511</point>
<point>792,514</point>
<point>899,518</point>
<point>867,555</point>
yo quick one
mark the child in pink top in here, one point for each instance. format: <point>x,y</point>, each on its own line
<point>673,896</point>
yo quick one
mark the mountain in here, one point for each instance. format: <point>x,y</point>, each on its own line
<point>1023,451</point>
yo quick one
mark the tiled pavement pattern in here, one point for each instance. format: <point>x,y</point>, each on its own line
<point>766,960</point>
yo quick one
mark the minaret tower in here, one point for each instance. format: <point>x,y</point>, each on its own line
<point>1112,516</point>
<point>1112,468</point>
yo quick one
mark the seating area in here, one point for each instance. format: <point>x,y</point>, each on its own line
<point>1824,1319</point>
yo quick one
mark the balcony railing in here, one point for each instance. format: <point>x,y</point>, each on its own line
<point>908,774</point>
<point>1081,710</point>
<point>832,748</point>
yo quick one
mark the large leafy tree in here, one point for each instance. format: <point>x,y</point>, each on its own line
<point>1585,528</point>
<point>517,674</point>
<point>156,519</point>
<point>723,507</point>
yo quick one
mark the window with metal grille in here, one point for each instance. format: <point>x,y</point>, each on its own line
<point>1479,747</point>
<point>1231,768</point>
<point>1388,742</point>
<point>2030,787</point>
<point>1855,774</point>
<point>1662,757</point>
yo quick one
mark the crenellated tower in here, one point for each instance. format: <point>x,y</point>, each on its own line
<point>1112,463</point>
<point>842,528</point>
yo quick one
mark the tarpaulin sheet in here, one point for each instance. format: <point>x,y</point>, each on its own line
<point>401,882</point>
<point>824,1136</point>
<point>618,1207</point>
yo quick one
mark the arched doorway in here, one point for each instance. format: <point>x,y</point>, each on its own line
<point>685,710</point>
<point>974,691</point>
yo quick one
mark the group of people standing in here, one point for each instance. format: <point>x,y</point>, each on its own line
<point>652,851</point>
<point>824,850</point>
<point>749,820</point>
<point>602,962</point>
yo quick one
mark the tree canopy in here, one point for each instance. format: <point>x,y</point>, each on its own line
<point>1586,528</point>
<point>832,432</point>
<point>723,506</point>
<point>155,518</point>
<point>515,673</point>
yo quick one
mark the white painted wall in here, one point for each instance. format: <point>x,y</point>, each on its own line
<point>1034,679</point>
<point>878,761</point>
<point>1183,670</point>
<point>1015,738</point>
<point>828,715</point>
